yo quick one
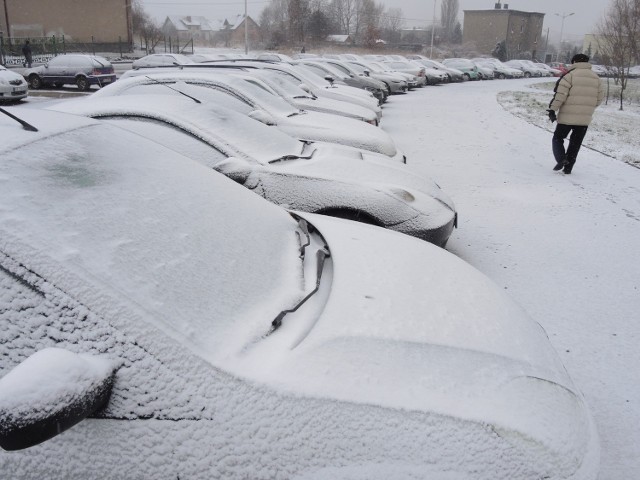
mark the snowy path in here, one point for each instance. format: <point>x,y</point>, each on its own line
<point>565,247</point>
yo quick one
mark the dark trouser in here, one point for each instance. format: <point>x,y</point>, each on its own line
<point>568,158</point>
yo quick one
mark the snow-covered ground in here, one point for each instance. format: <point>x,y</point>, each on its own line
<point>564,246</point>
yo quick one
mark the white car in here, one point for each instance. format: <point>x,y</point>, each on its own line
<point>202,332</point>
<point>13,86</point>
<point>305,100</point>
<point>305,176</point>
<point>252,97</point>
<point>161,60</point>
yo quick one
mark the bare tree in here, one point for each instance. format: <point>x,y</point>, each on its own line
<point>148,31</point>
<point>619,31</point>
<point>391,24</point>
<point>449,18</point>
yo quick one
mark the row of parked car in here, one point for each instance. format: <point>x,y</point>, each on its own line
<point>231,270</point>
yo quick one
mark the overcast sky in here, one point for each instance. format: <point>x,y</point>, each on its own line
<point>416,12</point>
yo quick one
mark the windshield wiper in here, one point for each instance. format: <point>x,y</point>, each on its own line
<point>293,156</point>
<point>321,255</point>
<point>25,125</point>
<point>174,89</point>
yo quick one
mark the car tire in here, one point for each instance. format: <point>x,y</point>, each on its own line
<point>35,81</point>
<point>502,76</point>
<point>82,83</point>
<point>466,77</point>
<point>527,74</point>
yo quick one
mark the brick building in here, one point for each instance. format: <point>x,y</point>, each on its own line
<point>520,31</point>
<point>101,21</point>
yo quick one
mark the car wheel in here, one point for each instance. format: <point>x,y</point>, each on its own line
<point>527,74</point>
<point>35,82</point>
<point>502,76</point>
<point>466,77</point>
<point>82,83</point>
<point>354,215</point>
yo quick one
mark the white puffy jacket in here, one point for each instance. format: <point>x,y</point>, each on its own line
<point>577,94</point>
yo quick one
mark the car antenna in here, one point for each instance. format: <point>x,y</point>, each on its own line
<point>24,124</point>
<point>174,89</point>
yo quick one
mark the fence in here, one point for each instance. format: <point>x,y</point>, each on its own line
<point>45,48</point>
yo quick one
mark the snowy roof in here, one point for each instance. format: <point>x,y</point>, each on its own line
<point>338,38</point>
<point>184,22</point>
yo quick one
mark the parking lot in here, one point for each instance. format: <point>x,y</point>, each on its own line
<point>562,247</point>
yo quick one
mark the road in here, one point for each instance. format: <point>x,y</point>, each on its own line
<point>564,247</point>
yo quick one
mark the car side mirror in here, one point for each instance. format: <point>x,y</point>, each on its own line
<point>50,392</point>
<point>235,168</point>
<point>305,87</point>
<point>330,79</point>
<point>367,72</point>
<point>263,117</point>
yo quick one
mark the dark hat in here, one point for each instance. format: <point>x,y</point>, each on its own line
<point>580,57</point>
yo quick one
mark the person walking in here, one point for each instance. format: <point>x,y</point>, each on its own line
<point>576,95</point>
<point>26,51</point>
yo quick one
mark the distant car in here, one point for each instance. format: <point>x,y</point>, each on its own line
<point>160,321</point>
<point>419,71</point>
<point>395,83</point>
<point>467,67</point>
<point>80,70</point>
<point>161,60</point>
<point>274,57</point>
<point>308,80</point>
<point>485,72</point>
<point>453,74</point>
<point>560,66</point>
<point>306,176</point>
<point>527,68</point>
<point>553,71</point>
<point>13,86</point>
<point>500,70</point>
<point>349,76</point>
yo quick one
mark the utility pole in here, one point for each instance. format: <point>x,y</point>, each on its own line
<point>433,27</point>
<point>546,45</point>
<point>562,31</point>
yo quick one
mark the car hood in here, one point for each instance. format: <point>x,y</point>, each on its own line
<point>327,105</point>
<point>435,336</point>
<point>324,127</point>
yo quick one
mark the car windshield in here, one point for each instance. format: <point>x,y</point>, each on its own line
<point>110,210</point>
<point>281,85</point>
<point>358,68</point>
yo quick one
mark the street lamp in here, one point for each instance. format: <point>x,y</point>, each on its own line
<point>564,15</point>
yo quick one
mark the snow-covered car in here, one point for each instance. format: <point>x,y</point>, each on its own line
<point>252,97</point>
<point>274,57</point>
<point>13,86</point>
<point>71,69</point>
<point>485,72</point>
<point>415,69</point>
<point>334,71</point>
<point>203,332</point>
<point>500,70</point>
<point>305,176</point>
<point>527,68</point>
<point>161,60</point>
<point>305,100</point>
<point>467,67</point>
<point>553,71</point>
<point>394,82</point>
<point>307,80</point>
<point>453,74</point>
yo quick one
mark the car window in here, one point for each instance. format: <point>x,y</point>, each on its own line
<point>341,68</point>
<point>171,137</point>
